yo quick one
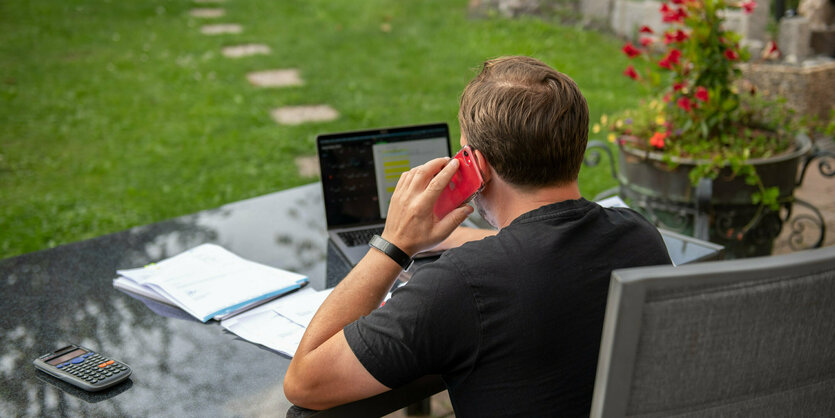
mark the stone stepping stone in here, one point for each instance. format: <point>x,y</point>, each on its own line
<point>275,78</point>
<point>239,51</point>
<point>221,29</point>
<point>308,166</point>
<point>296,115</point>
<point>207,13</point>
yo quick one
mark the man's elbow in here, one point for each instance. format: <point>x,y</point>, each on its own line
<point>301,391</point>
<point>295,390</point>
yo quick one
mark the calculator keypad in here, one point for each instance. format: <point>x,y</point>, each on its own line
<point>93,368</point>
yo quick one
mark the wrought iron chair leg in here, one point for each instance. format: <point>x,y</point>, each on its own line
<point>701,220</point>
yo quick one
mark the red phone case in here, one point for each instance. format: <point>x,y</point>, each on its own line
<point>465,183</point>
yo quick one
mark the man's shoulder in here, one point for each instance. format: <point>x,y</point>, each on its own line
<point>628,215</point>
<point>453,269</point>
<point>639,233</point>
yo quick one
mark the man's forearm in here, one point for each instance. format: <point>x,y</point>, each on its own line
<point>324,371</point>
<point>357,294</point>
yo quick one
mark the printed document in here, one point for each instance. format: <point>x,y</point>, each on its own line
<point>278,324</point>
<point>210,282</point>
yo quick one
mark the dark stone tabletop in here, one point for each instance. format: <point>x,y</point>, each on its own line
<point>181,367</point>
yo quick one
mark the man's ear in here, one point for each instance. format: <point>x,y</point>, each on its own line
<point>484,166</point>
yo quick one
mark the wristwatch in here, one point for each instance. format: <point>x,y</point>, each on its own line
<point>392,251</point>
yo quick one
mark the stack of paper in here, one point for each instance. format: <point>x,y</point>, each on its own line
<point>279,324</point>
<point>209,282</point>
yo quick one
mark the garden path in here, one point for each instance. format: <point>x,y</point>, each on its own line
<point>221,29</point>
<point>275,78</point>
<point>207,13</point>
<point>820,192</point>
<point>307,166</point>
<point>245,50</point>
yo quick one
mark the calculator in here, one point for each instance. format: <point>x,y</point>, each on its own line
<point>83,367</point>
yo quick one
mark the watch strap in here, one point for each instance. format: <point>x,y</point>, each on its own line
<point>392,251</point>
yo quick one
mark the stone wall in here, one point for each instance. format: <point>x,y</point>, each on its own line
<point>808,84</point>
<point>809,90</point>
<point>514,8</point>
<point>626,16</point>
<point>507,8</point>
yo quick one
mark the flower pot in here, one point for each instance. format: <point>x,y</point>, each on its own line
<point>720,211</point>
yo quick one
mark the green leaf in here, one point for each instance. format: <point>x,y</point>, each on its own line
<point>768,197</point>
<point>728,105</point>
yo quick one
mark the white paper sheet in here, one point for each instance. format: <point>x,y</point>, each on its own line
<point>279,324</point>
<point>612,202</point>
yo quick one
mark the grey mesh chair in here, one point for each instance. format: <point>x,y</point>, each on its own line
<point>750,337</point>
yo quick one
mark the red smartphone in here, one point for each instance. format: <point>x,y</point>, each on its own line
<point>465,183</point>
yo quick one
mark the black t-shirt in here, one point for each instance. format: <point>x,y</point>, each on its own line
<point>512,322</point>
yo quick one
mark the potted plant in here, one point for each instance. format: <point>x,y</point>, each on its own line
<point>705,153</point>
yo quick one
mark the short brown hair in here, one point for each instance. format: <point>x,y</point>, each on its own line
<point>530,121</point>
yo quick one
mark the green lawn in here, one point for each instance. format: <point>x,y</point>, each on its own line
<point>120,113</point>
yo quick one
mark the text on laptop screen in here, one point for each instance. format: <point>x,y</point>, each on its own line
<point>359,173</point>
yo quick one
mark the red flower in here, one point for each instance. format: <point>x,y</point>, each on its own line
<point>646,29</point>
<point>671,59</point>
<point>674,55</point>
<point>731,54</point>
<point>771,51</point>
<point>666,98</point>
<point>669,15</point>
<point>630,50</point>
<point>685,103</point>
<point>657,140</point>
<point>675,36</point>
<point>702,94</point>
<point>679,86</point>
<point>678,1</point>
<point>631,73</point>
<point>646,41</point>
<point>748,6</point>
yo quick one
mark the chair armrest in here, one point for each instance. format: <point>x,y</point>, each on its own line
<point>378,405</point>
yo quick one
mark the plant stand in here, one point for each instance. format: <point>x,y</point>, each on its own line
<point>719,211</point>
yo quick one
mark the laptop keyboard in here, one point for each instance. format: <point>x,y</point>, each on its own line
<point>360,236</point>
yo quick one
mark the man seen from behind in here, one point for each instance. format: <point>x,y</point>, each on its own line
<point>511,318</point>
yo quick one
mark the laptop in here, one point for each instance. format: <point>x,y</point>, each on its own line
<point>359,172</point>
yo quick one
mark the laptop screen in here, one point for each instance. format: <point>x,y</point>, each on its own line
<point>360,169</point>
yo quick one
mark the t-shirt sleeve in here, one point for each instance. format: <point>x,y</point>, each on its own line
<point>429,326</point>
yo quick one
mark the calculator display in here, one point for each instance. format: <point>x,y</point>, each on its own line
<point>65,357</point>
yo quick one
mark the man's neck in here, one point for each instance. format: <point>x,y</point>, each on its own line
<point>516,201</point>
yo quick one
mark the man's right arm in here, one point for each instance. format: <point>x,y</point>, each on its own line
<point>324,371</point>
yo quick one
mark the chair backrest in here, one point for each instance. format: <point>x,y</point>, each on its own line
<point>750,337</point>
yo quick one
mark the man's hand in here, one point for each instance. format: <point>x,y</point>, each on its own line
<point>411,224</point>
